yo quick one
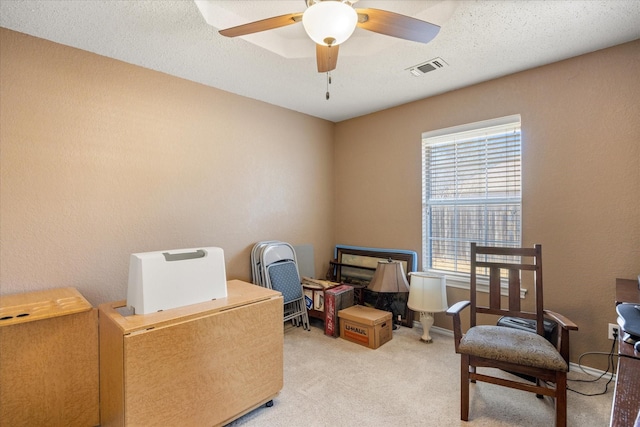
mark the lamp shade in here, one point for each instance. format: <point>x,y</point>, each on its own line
<point>389,278</point>
<point>329,23</point>
<point>428,293</point>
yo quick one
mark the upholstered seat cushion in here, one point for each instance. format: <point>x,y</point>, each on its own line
<point>513,346</point>
<point>285,279</point>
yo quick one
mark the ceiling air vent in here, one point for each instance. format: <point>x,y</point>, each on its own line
<point>425,67</point>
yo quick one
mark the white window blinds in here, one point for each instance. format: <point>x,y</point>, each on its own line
<point>471,191</point>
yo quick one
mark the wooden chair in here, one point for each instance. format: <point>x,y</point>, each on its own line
<point>513,350</point>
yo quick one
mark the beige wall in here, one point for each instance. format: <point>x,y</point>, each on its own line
<point>581,177</point>
<point>100,159</point>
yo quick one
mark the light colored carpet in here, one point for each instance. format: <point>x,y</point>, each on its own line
<point>333,382</point>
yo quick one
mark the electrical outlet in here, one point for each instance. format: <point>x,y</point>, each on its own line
<point>612,327</point>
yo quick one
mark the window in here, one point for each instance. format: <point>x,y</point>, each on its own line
<point>471,191</point>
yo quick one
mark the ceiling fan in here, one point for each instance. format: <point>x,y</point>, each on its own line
<point>331,22</point>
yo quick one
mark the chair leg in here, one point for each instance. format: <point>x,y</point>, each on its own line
<point>464,387</point>
<point>539,383</point>
<point>561,399</point>
<point>305,318</point>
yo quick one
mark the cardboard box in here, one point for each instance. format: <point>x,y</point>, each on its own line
<point>314,299</point>
<point>365,326</point>
<point>336,299</point>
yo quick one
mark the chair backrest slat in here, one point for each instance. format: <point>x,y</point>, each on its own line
<point>505,265</point>
<point>514,289</point>
<point>497,250</point>
<point>510,264</point>
<point>494,288</point>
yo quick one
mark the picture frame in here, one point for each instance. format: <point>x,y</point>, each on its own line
<point>355,266</point>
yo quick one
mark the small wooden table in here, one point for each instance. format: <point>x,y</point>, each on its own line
<point>314,290</point>
<point>204,364</point>
<point>626,398</point>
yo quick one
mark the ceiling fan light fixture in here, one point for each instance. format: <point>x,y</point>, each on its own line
<point>329,22</point>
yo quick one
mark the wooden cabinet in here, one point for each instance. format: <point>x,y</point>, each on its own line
<point>48,359</point>
<point>204,364</point>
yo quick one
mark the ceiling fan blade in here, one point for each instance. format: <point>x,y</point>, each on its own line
<point>327,57</point>
<point>396,25</point>
<point>262,25</point>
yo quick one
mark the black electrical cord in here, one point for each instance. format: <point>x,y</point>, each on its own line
<point>610,366</point>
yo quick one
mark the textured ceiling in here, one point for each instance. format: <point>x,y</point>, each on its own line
<point>478,41</point>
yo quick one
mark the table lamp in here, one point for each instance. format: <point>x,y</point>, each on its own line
<point>388,279</point>
<point>427,295</point>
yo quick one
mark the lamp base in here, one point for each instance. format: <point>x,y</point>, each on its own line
<point>384,302</point>
<point>427,322</point>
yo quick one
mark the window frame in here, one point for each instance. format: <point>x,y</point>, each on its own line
<point>459,279</point>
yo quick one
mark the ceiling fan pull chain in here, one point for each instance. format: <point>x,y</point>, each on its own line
<point>328,83</point>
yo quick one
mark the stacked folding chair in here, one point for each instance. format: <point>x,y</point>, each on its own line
<point>274,266</point>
